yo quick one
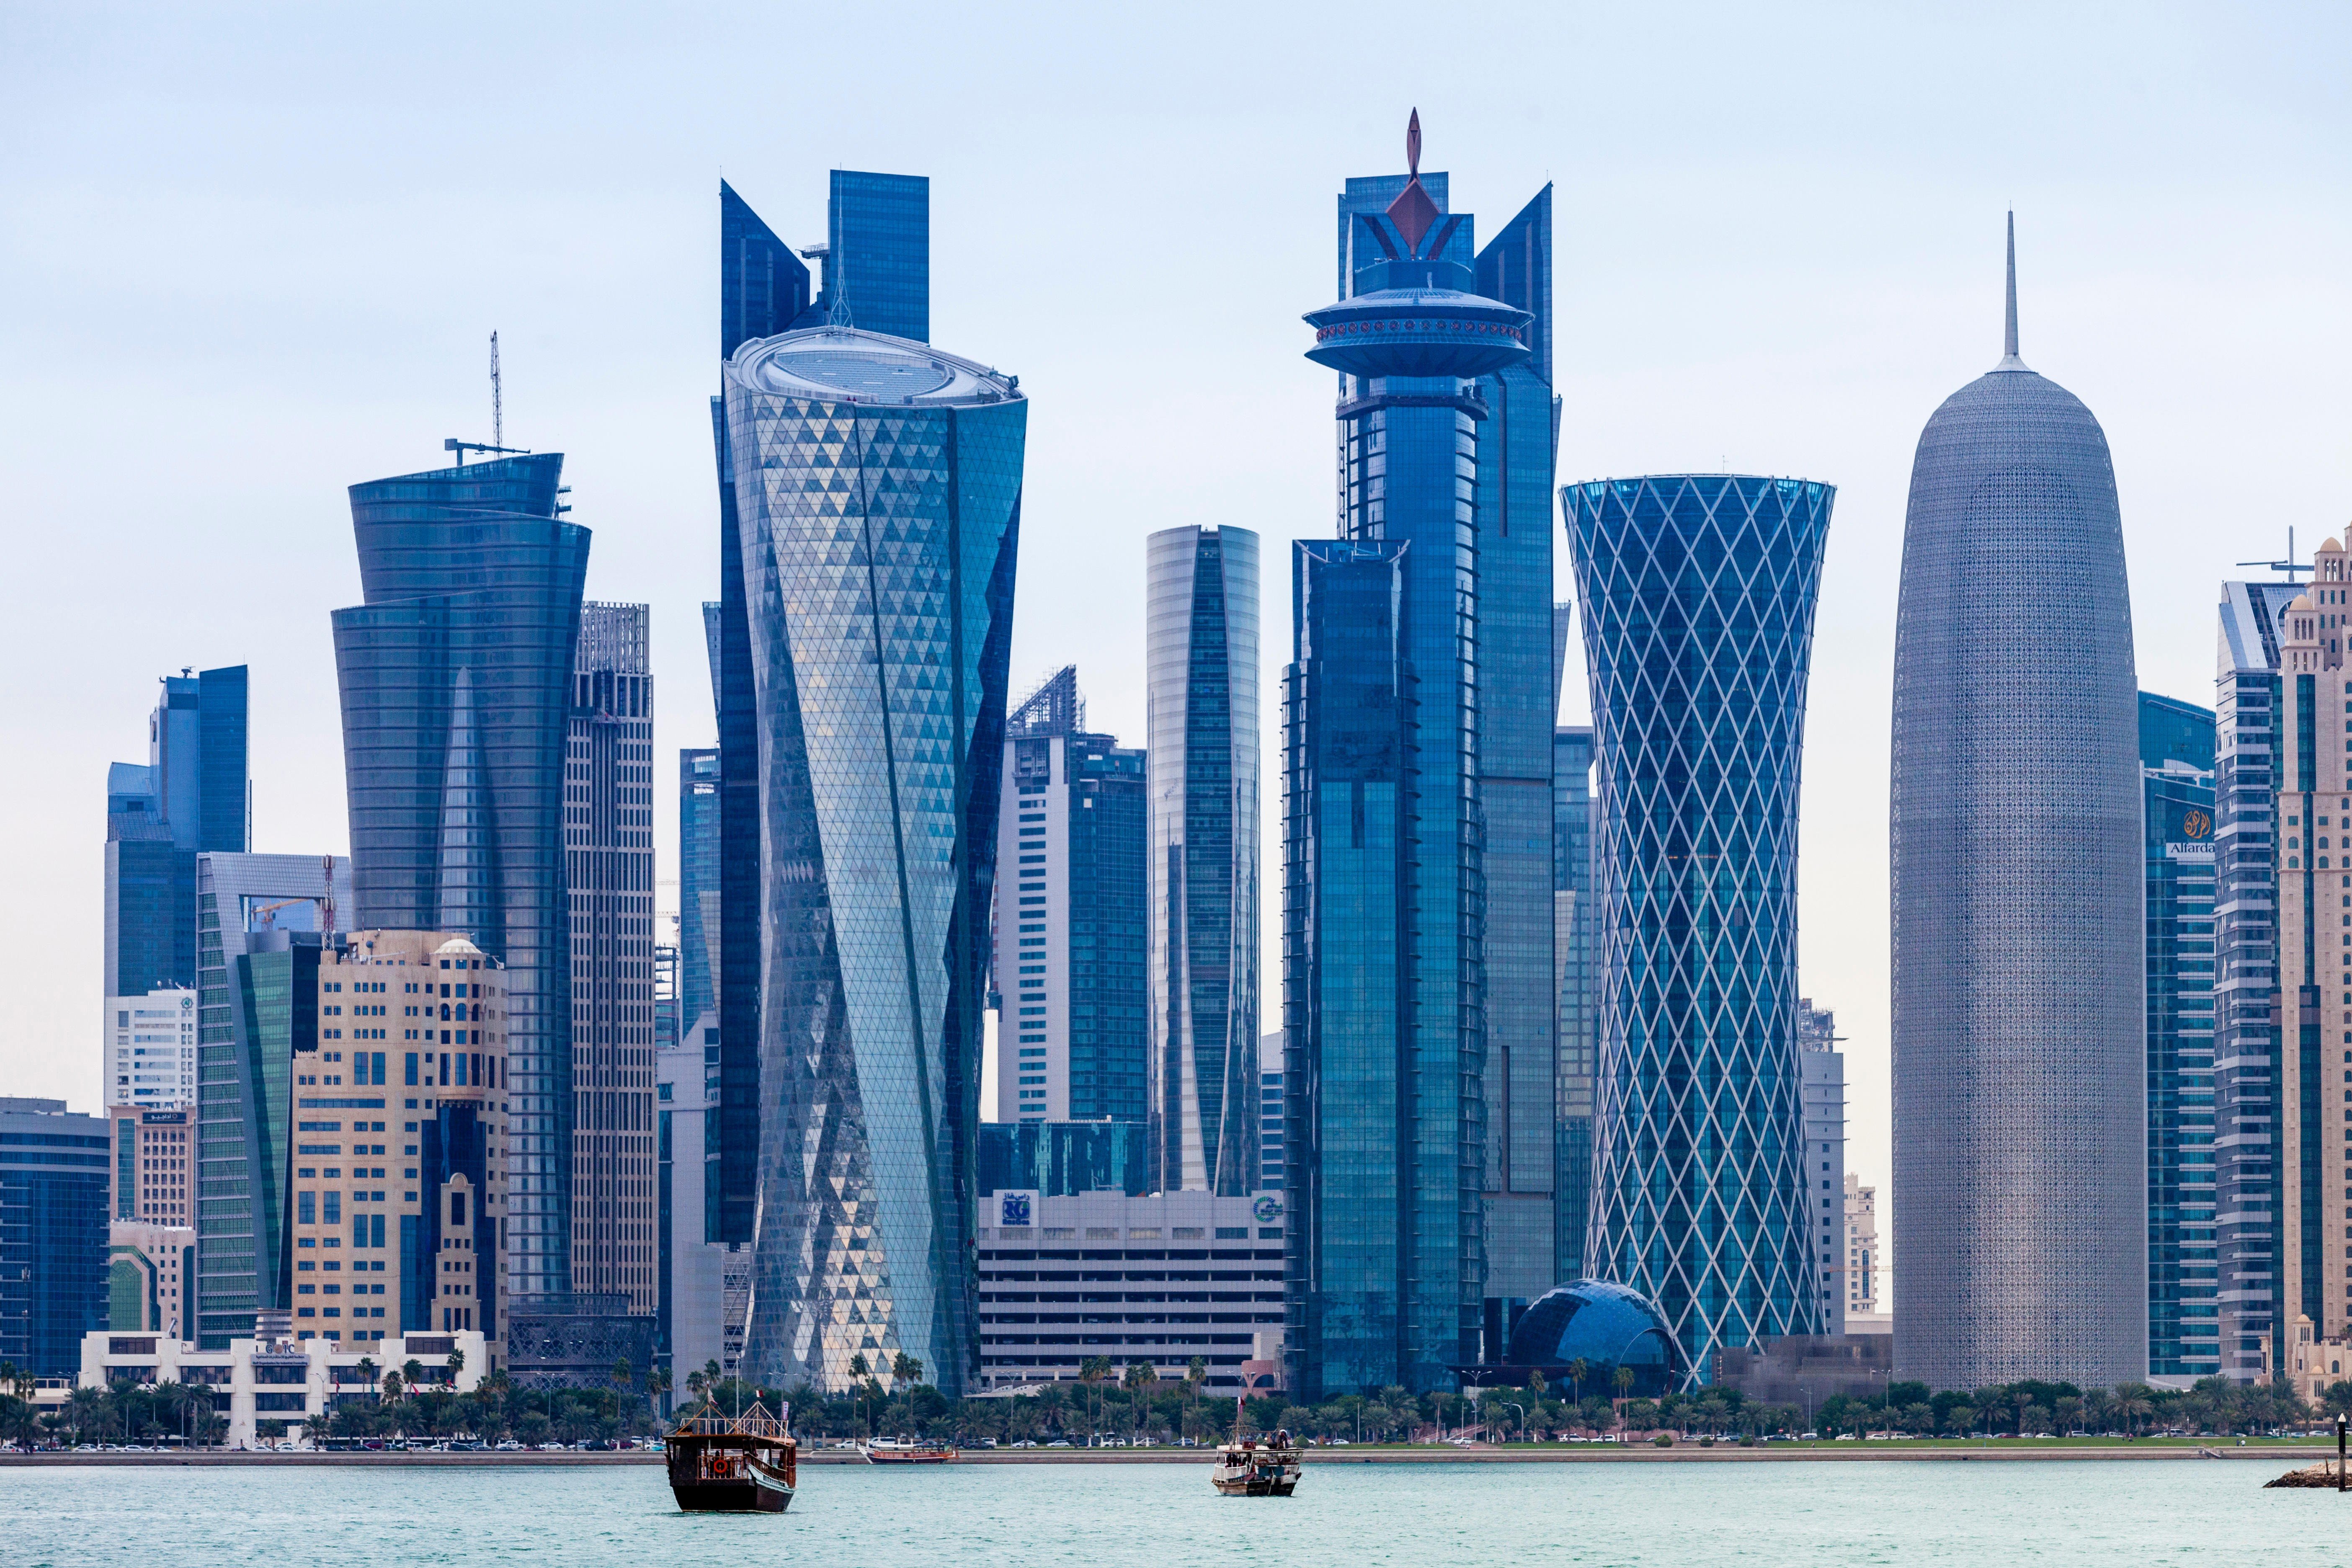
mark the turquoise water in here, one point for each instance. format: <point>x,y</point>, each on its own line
<point>2080,1513</point>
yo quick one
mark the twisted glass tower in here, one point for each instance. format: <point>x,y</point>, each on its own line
<point>2019,1134</point>
<point>1698,627</point>
<point>1201,659</point>
<point>877,489</point>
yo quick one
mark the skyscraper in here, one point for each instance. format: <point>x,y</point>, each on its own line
<point>191,795</point>
<point>877,229</point>
<point>1069,919</point>
<point>1201,674</point>
<point>2175,756</point>
<point>2020,1158</point>
<point>876,515</point>
<point>456,681</point>
<point>53,1258</point>
<point>609,874</point>
<point>697,883</point>
<point>1698,594</point>
<point>2247,1028</point>
<point>1822,1082</point>
<point>1573,951</point>
<point>1386,994</point>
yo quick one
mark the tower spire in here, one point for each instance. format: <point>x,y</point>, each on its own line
<point>2009,360</point>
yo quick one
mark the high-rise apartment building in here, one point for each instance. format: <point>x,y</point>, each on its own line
<point>2246,1019</point>
<point>608,818</point>
<point>705,1283</point>
<point>1698,594</point>
<point>2019,1170</point>
<point>1200,673</point>
<point>2183,1223</point>
<point>1395,1190</point>
<point>191,795</point>
<point>1070,917</point>
<point>152,1166</point>
<point>53,1208</point>
<point>264,923</point>
<point>456,683</point>
<point>876,277</point>
<point>876,516</point>
<point>150,1044</point>
<point>1860,1249</point>
<point>1821,1070</point>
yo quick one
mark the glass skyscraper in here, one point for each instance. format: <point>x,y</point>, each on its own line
<point>698,884</point>
<point>1387,1002</point>
<point>191,796</point>
<point>456,681</point>
<point>53,1234</point>
<point>1698,594</point>
<point>1201,670</point>
<point>1070,928</point>
<point>2020,1159</point>
<point>878,486</point>
<point>1573,951</point>
<point>2175,760</point>
<point>608,820</point>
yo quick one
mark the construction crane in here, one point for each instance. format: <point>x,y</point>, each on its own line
<point>498,419</point>
<point>2290,565</point>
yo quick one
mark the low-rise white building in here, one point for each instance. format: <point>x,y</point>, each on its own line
<point>275,1376</point>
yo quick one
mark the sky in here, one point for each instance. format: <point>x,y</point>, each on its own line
<point>252,255</point>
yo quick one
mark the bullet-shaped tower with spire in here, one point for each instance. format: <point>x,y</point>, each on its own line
<point>2019,1130</point>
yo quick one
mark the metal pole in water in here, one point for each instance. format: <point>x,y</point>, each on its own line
<point>2339,1453</point>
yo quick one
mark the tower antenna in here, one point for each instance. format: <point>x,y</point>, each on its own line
<point>497,411</point>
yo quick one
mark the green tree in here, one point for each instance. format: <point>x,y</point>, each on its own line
<point>1624,1380</point>
<point>1578,1371</point>
<point>1142,1380</point>
<point>1959,1418</point>
<point>1093,1371</point>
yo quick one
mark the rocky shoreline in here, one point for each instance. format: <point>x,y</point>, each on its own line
<point>2322,1478</point>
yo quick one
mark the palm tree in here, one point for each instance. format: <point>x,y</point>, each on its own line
<point>1093,1370</point>
<point>1578,1370</point>
<point>1624,1379</point>
<point>457,1363</point>
<point>1140,1380</point>
<point>392,1385</point>
<point>412,1372</point>
<point>657,1386</point>
<point>905,1369</point>
<point>367,1370</point>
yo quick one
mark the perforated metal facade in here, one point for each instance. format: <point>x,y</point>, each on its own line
<point>2020,1130</point>
<point>877,541</point>
<point>1699,594</point>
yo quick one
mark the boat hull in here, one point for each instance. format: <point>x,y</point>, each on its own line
<point>707,1476</point>
<point>1255,1486</point>
<point>730,1497</point>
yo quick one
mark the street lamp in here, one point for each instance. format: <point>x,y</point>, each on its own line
<point>1514,1404</point>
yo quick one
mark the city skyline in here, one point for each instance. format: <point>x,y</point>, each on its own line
<point>290,718</point>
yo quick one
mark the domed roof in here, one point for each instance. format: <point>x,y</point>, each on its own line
<point>1605,1326</point>
<point>2331,547</point>
<point>2300,602</point>
<point>844,365</point>
<point>456,947</point>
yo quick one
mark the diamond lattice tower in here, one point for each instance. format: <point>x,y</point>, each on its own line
<point>2018,1054</point>
<point>1698,594</point>
<point>878,490</point>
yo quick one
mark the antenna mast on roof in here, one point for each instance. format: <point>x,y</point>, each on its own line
<point>497,411</point>
<point>2290,565</point>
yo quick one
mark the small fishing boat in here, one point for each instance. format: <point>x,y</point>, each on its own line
<point>887,1453</point>
<point>1247,1467</point>
<point>733,1464</point>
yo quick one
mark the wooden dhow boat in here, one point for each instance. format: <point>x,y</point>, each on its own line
<point>888,1453</point>
<point>1247,1467</point>
<point>733,1464</point>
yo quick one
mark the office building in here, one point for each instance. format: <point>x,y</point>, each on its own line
<point>667,1029</point>
<point>1860,1252</point>
<point>457,684</point>
<point>2019,1175</point>
<point>191,795</point>
<point>1270,1113</point>
<point>1573,950</point>
<point>1061,1159</point>
<point>705,1282</point>
<point>697,883</point>
<point>877,489</point>
<point>1698,594</point>
<point>1154,1280</point>
<point>608,836</point>
<point>2183,1224</point>
<point>1070,917</point>
<point>151,1277</point>
<point>1201,675</point>
<point>150,1044</point>
<point>264,923</point>
<point>1821,1078</point>
<point>876,275</point>
<point>1387,986</point>
<point>269,1374</point>
<point>2246,1020</point>
<point>52,1218</point>
<point>152,1166</point>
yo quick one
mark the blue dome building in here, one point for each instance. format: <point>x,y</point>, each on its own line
<point>1605,1326</point>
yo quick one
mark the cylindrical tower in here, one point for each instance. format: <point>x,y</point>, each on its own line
<point>2019,1126</point>
<point>1201,662</point>
<point>1698,630</point>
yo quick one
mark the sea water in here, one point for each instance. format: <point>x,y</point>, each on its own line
<point>2081,1513</point>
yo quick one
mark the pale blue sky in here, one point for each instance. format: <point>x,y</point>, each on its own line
<point>251,255</point>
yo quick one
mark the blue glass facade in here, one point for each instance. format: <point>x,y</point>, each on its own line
<point>2177,794</point>
<point>877,501</point>
<point>192,795</point>
<point>698,884</point>
<point>878,253</point>
<point>1699,593</point>
<point>1573,950</point>
<point>1108,934</point>
<point>457,683</point>
<point>53,1262</point>
<point>1062,1159</point>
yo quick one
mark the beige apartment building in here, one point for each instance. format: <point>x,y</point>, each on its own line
<point>1861,1246</point>
<point>399,1147</point>
<point>151,1171</point>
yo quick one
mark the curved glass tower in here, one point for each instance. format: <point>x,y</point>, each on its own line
<point>878,490</point>
<point>1200,656</point>
<point>2020,1137</point>
<point>1698,631</point>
